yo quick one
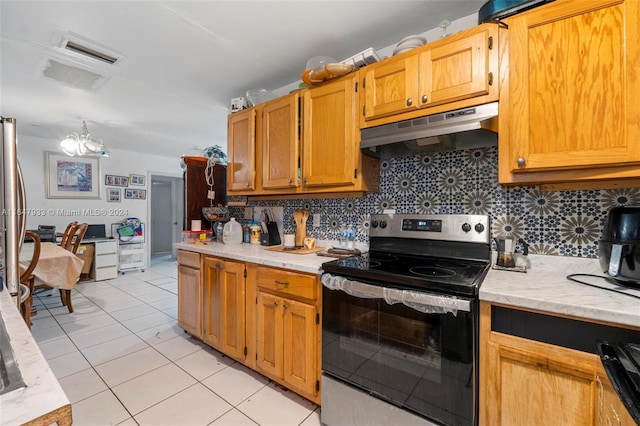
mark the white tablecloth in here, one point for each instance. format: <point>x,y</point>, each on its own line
<point>56,266</point>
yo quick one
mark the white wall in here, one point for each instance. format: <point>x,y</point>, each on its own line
<point>59,212</point>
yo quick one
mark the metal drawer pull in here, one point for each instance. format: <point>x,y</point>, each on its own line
<point>409,102</point>
<point>282,283</point>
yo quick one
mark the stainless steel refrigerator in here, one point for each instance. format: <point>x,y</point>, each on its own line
<point>12,209</point>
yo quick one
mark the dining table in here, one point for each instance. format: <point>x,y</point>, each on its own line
<point>56,267</point>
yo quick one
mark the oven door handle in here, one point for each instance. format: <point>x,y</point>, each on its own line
<point>425,302</point>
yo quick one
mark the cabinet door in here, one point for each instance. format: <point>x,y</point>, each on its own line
<point>300,348</point>
<point>269,324</point>
<point>241,143</point>
<point>574,81</point>
<point>538,384</point>
<point>391,87</point>
<point>610,411</point>
<point>280,143</point>
<point>331,135</point>
<point>232,288</point>
<point>224,306</point>
<point>189,300</point>
<point>457,70</point>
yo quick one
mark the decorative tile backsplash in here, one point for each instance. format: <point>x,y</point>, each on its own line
<point>566,223</point>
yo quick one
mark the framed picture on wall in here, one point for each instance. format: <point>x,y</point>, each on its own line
<point>135,194</point>
<point>114,180</point>
<point>137,180</point>
<point>71,177</point>
<point>113,195</point>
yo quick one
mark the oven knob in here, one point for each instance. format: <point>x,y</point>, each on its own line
<point>466,227</point>
<point>383,224</point>
<point>374,223</point>
<point>479,228</point>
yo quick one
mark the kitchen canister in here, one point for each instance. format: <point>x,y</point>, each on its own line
<point>232,233</point>
<point>255,232</point>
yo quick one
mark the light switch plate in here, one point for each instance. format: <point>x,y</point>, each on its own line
<point>316,220</point>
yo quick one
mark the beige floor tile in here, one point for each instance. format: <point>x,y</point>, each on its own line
<point>85,310</point>
<point>90,338</point>
<point>204,363</point>
<point>151,388</point>
<point>58,347</point>
<point>274,405</point>
<point>148,321</point>
<point>195,406</point>
<point>313,419</point>
<point>118,304</point>
<point>162,304</point>
<point>68,364</point>
<point>44,322</point>
<point>133,312</point>
<point>155,335</point>
<point>235,383</point>
<point>44,335</point>
<point>82,385</point>
<point>101,409</point>
<point>179,347</point>
<point>90,323</point>
<point>129,422</point>
<point>233,418</point>
<point>130,366</point>
<point>172,312</point>
<point>161,281</point>
<point>116,348</point>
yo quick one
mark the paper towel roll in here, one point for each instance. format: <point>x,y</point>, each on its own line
<point>196,225</point>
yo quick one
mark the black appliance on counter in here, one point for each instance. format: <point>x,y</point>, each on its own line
<point>619,247</point>
<point>499,9</point>
<point>400,323</point>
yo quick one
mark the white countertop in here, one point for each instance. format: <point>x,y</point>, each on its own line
<point>544,287</point>
<point>42,394</point>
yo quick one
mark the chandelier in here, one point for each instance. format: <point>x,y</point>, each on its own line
<point>84,144</point>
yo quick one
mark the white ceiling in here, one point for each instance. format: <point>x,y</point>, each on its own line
<point>182,61</point>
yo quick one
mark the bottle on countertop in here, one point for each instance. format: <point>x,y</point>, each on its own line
<point>246,233</point>
<point>219,231</point>
<point>351,238</point>
<point>232,232</point>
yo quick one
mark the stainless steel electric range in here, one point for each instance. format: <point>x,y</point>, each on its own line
<point>400,323</point>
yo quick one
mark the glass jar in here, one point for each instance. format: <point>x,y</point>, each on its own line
<point>255,233</point>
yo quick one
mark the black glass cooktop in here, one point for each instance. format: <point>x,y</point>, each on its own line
<point>451,276</point>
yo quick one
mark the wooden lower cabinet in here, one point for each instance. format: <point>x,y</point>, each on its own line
<point>288,330</point>
<point>189,293</point>
<point>527,382</point>
<point>224,306</point>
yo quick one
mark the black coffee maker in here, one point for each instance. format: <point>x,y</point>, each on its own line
<point>619,247</point>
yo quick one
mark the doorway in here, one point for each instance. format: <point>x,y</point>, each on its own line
<point>165,215</point>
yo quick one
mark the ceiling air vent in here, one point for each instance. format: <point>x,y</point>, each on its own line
<point>89,52</point>
<point>72,76</point>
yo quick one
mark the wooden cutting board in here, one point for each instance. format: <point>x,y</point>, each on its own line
<point>300,250</point>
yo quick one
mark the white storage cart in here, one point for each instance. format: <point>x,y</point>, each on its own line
<point>131,251</point>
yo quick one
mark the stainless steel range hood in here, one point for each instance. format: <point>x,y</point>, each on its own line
<point>465,128</point>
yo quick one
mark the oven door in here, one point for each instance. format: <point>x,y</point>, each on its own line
<point>412,349</point>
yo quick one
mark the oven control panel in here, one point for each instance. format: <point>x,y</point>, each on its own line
<point>464,228</point>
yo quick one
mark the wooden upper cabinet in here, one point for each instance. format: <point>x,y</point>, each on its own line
<point>460,70</point>
<point>241,147</point>
<point>280,143</point>
<point>331,135</point>
<point>391,87</point>
<point>572,89</point>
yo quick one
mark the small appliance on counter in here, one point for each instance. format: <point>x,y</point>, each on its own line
<point>508,259</point>
<point>619,247</point>
<point>270,235</point>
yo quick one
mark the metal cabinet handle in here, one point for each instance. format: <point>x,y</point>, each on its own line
<point>290,181</point>
<point>285,307</point>
<point>304,180</point>
<point>248,184</point>
<point>521,161</point>
<point>275,304</point>
<point>282,283</point>
<point>424,98</point>
<point>409,102</point>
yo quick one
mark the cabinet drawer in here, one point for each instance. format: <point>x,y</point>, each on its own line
<point>106,273</point>
<point>292,283</point>
<point>106,260</point>
<point>103,247</point>
<point>188,258</point>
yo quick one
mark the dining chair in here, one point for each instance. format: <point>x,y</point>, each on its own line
<point>76,239</point>
<point>74,234</point>
<point>67,237</point>
<point>28,279</point>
